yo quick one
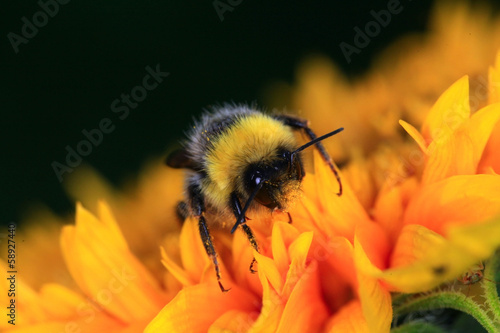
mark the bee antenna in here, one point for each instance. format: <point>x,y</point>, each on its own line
<point>321,138</point>
<point>241,217</point>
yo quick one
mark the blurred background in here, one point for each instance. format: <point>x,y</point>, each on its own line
<point>75,70</point>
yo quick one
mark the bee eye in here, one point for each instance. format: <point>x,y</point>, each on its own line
<point>288,157</point>
<point>264,198</point>
<point>294,165</point>
<point>255,179</point>
<point>256,182</point>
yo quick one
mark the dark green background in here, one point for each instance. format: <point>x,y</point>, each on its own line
<point>65,78</point>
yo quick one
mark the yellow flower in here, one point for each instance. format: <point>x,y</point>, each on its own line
<point>414,213</point>
<point>115,291</point>
<point>287,282</point>
<point>451,210</point>
<point>454,210</point>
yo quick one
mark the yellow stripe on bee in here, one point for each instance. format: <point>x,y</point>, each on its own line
<point>250,139</point>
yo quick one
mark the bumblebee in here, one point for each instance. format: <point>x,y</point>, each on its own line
<point>241,160</point>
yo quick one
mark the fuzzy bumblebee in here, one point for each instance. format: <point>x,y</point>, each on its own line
<point>241,160</point>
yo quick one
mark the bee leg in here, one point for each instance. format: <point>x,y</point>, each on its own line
<point>301,124</point>
<point>182,211</point>
<point>236,205</point>
<point>197,203</point>
<point>209,247</point>
<point>253,242</point>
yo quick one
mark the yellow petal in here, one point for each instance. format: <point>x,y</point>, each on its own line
<point>460,153</point>
<point>101,264</point>
<point>424,270</point>
<point>298,251</point>
<point>413,244</point>
<point>270,271</point>
<point>375,299</point>
<point>282,236</point>
<point>193,255</point>
<point>415,134</point>
<point>480,240</point>
<point>61,302</point>
<point>179,273</point>
<point>449,112</point>
<point>29,303</point>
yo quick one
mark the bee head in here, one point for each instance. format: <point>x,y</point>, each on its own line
<point>274,181</point>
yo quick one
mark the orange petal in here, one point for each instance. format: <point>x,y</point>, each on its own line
<point>298,251</point>
<point>491,158</point>
<point>337,253</point>
<point>375,299</point>
<point>271,310</point>
<point>494,81</point>
<point>233,321</point>
<point>336,265</point>
<point>93,323</point>
<point>333,215</point>
<point>448,113</point>
<point>390,205</point>
<point>350,318</point>
<point>242,258</point>
<point>375,243</point>
<point>299,318</point>
<point>197,307</point>
<point>458,199</point>
<point>358,175</point>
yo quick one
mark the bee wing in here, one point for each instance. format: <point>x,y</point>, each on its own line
<point>179,159</point>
